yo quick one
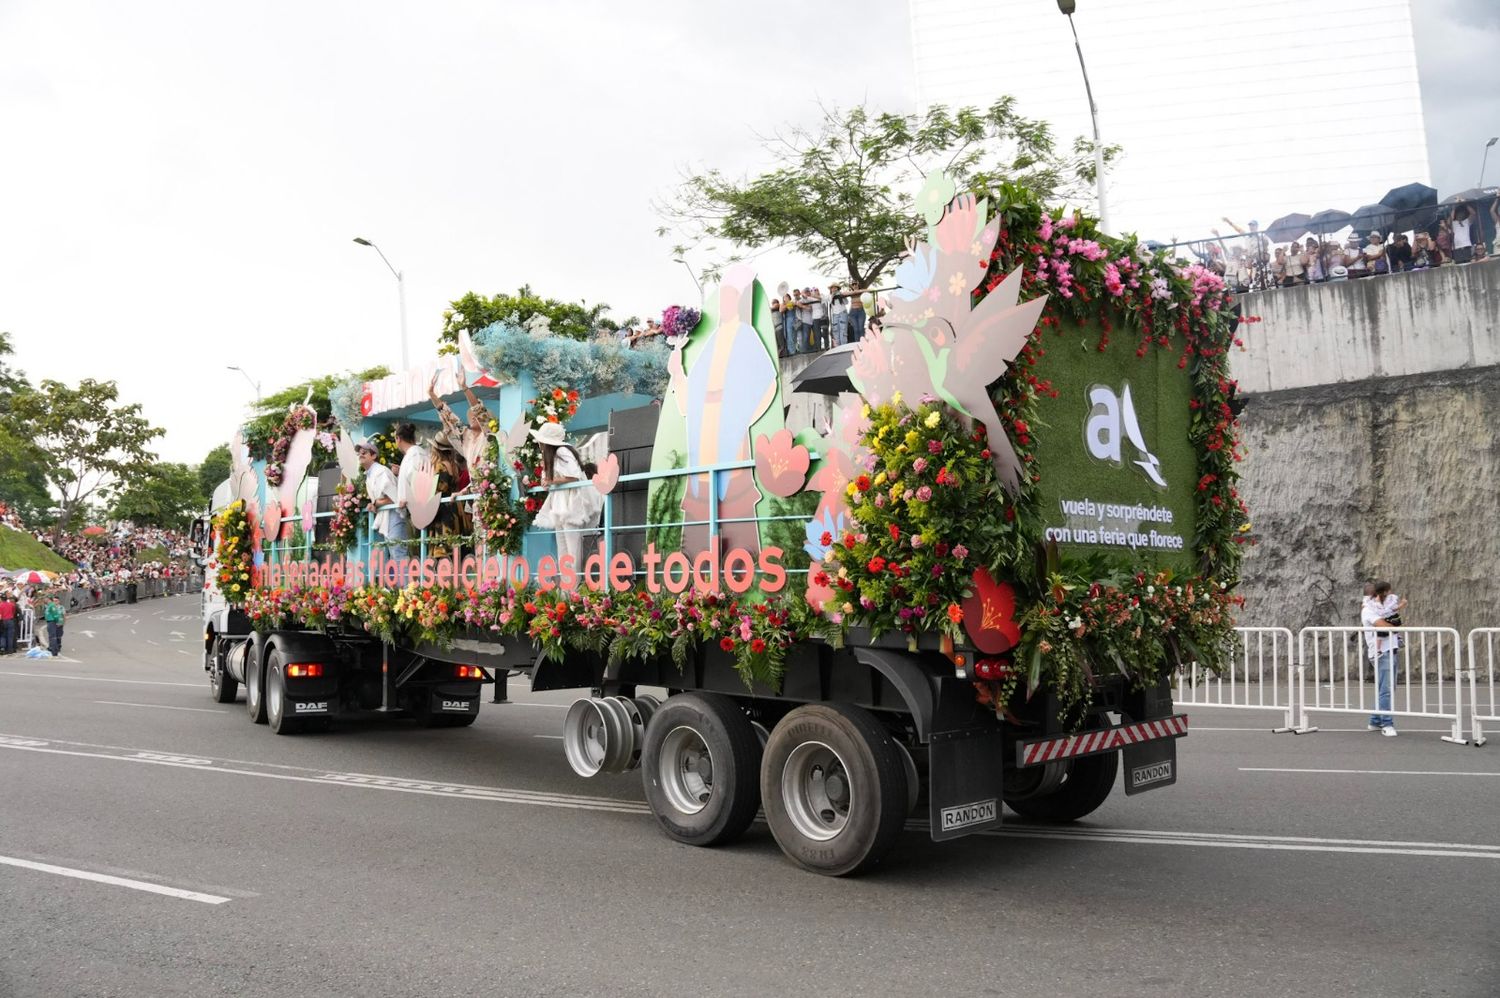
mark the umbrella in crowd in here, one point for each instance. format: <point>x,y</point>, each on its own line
<point>33,577</point>
<point>1288,227</point>
<point>1373,218</point>
<point>1414,206</point>
<point>828,374</point>
<point>1473,194</point>
<point>93,531</point>
<point>1327,221</point>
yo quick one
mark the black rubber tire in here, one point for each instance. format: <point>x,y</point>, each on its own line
<point>221,686</point>
<point>276,702</point>
<point>734,751</point>
<point>877,784</point>
<point>1087,786</point>
<point>255,688</point>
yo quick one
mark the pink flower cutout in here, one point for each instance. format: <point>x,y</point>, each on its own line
<point>781,463</point>
<point>608,475</point>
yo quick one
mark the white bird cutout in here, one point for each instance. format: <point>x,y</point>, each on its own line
<point>343,446</point>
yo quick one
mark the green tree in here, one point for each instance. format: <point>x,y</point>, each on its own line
<point>163,494</point>
<point>213,470</point>
<point>473,312</point>
<point>23,486</point>
<point>86,442</point>
<point>845,192</point>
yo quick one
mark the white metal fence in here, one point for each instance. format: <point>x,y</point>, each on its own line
<point>28,628</point>
<point>1484,649</point>
<point>1261,676</point>
<point>1340,674</point>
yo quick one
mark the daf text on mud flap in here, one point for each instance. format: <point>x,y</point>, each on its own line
<point>1154,773</point>
<point>969,814</point>
<point>462,705</point>
<point>311,707</point>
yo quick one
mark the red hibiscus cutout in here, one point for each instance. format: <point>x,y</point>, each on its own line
<point>781,463</point>
<point>990,615</point>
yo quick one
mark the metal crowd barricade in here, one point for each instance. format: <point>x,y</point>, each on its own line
<point>1261,675</point>
<point>1335,660</point>
<point>28,630</point>
<point>1484,650</point>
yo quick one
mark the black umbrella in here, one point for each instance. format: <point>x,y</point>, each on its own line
<point>1373,218</point>
<point>1327,221</point>
<point>828,374</point>
<point>1410,197</point>
<point>1288,227</point>
<point>1473,194</point>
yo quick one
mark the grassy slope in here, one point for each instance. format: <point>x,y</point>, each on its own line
<point>18,550</point>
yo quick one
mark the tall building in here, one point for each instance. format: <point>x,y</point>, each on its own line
<point>1227,108</point>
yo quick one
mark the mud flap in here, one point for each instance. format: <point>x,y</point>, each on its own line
<point>1150,765</point>
<point>966,776</point>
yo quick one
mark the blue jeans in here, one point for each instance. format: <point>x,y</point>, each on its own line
<point>856,324</point>
<point>789,330</point>
<point>1385,674</point>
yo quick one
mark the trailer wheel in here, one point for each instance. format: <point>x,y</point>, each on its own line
<point>276,700</point>
<point>834,787</point>
<point>220,683</point>
<point>699,766</point>
<point>1086,785</point>
<point>255,701</point>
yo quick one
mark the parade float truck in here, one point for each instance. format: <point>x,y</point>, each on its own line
<point>951,566</point>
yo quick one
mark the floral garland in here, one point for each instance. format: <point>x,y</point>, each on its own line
<point>499,522</point>
<point>232,552</point>
<point>343,525</point>
<point>634,624</point>
<point>300,418</point>
<point>553,406</point>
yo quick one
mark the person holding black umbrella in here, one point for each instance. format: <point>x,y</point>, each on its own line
<point>1461,226</point>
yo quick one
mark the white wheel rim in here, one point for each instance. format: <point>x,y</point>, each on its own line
<point>585,737</point>
<point>686,770</point>
<point>273,694</point>
<point>816,791</point>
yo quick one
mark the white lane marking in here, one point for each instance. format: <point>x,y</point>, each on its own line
<point>1366,772</point>
<point>87,634</point>
<point>181,652</point>
<point>104,878</point>
<point>97,679</point>
<point>159,706</point>
<point>558,737</point>
<point>577,802</point>
<point>150,642</point>
<point>549,706</point>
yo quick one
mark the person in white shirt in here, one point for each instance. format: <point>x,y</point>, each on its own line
<point>817,317</point>
<point>1380,616</point>
<point>413,458</point>
<point>380,487</point>
<point>838,307</point>
<point>1461,226</point>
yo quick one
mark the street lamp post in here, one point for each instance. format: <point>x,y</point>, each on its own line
<point>1068,7</point>
<point>692,275</point>
<point>400,291</point>
<point>1486,160</point>
<point>253,383</point>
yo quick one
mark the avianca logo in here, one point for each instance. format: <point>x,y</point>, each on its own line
<point>1112,417</point>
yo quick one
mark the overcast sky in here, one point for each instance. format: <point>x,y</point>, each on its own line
<point>181,182</point>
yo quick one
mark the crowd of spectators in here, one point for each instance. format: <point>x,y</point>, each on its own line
<point>1255,262</point>
<point>806,320</point>
<point>109,555</point>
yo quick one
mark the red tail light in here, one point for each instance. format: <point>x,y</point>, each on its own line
<point>304,670</point>
<point>991,669</point>
<point>469,672</point>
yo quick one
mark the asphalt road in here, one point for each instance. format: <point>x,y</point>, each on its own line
<point>383,859</point>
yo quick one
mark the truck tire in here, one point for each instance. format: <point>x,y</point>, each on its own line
<point>1086,786</point>
<point>255,700</point>
<point>220,684</point>
<point>276,701</point>
<point>700,767</point>
<point>834,788</point>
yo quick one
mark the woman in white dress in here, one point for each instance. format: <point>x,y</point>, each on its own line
<point>569,512</point>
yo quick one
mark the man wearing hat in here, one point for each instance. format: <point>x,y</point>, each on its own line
<point>817,315</point>
<point>380,487</point>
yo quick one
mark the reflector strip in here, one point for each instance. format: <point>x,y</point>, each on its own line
<point>1106,740</point>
